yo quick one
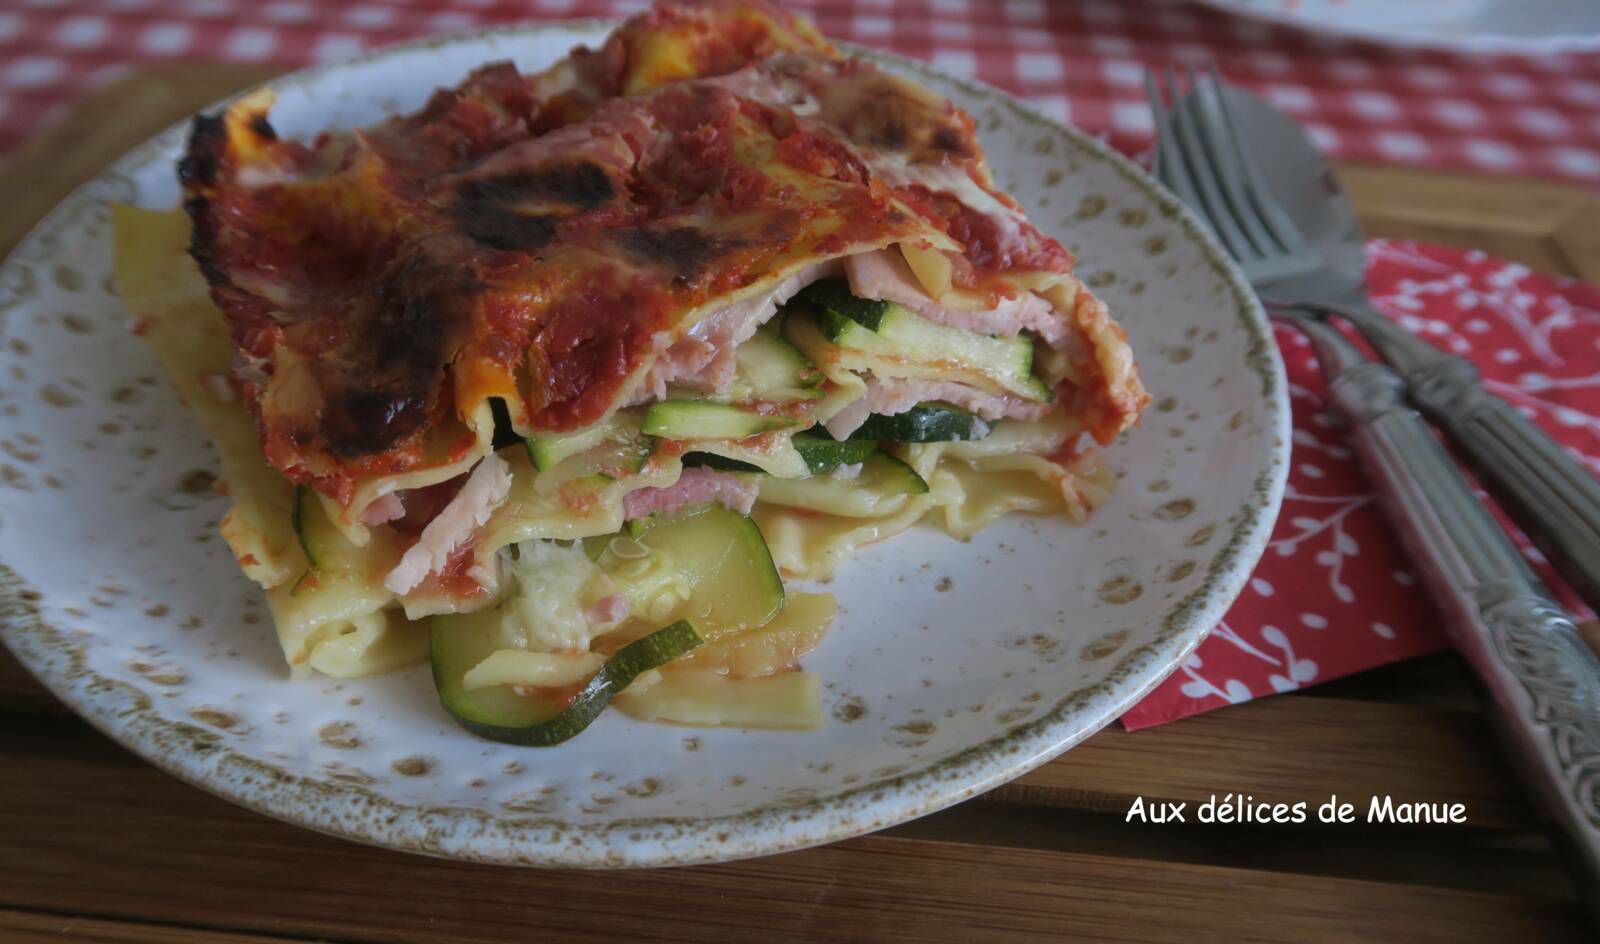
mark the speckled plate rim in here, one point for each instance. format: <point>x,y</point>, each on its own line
<point>202,759</point>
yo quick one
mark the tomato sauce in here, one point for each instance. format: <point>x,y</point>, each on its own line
<point>544,224</point>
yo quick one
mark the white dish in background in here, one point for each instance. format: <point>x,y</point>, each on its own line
<point>117,592</point>
<point>1519,27</point>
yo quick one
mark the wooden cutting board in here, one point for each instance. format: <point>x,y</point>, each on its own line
<point>96,845</point>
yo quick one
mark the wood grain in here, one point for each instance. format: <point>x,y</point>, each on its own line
<point>1286,750</point>
<point>1277,750</point>
<point>22,927</point>
<point>245,872</point>
<point>107,123</point>
<point>1550,227</point>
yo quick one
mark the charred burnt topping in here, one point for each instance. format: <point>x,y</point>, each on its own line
<point>948,139</point>
<point>579,185</point>
<point>202,240</point>
<point>381,262</point>
<point>362,421</point>
<point>208,142</point>
<point>683,250</point>
<point>503,228</point>
<point>386,390</point>
<point>520,211</point>
<point>263,128</point>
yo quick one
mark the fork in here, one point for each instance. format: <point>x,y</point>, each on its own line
<point>1203,157</point>
<point>1544,683</point>
<point>1199,158</point>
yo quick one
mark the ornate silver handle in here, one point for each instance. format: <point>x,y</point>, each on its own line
<point>1545,683</point>
<point>1549,493</point>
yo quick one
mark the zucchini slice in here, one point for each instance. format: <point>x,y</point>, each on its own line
<point>719,556</point>
<point>774,455</point>
<point>824,455</point>
<point>880,488</point>
<point>544,717</point>
<point>620,432</point>
<point>926,422</point>
<point>318,537</point>
<point>769,368</point>
<point>833,296</point>
<point>711,460</point>
<point>325,547</point>
<point>893,341</point>
<point>615,459</point>
<point>705,419</point>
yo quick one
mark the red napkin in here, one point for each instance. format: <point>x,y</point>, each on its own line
<point>1334,593</point>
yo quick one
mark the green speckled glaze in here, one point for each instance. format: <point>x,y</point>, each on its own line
<point>115,592</point>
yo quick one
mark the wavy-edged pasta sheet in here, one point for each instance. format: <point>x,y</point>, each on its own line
<point>434,467</point>
<point>370,644</point>
<point>968,489</point>
<point>340,622</point>
<point>700,697</point>
<point>160,285</point>
<point>811,546</point>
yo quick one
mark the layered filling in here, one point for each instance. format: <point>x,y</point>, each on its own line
<point>552,379</point>
<point>833,398</point>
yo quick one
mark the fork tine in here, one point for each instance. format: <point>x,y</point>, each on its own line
<point>1271,213</point>
<point>1225,153</point>
<point>1168,164</point>
<point>1204,176</point>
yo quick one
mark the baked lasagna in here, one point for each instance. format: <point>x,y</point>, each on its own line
<point>554,381</point>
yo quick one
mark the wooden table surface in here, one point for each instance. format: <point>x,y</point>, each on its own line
<point>96,845</point>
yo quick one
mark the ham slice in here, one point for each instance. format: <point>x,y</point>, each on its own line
<point>884,274</point>
<point>485,490</point>
<point>608,610</point>
<point>891,395</point>
<point>703,358</point>
<point>384,510</point>
<point>695,486</point>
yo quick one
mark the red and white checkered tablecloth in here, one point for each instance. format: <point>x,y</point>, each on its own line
<point>1077,60</point>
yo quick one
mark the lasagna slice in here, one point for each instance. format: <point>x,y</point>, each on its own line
<point>566,368</point>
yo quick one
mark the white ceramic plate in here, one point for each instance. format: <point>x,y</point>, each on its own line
<point>1523,27</point>
<point>953,666</point>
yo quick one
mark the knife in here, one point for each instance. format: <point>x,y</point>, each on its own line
<point>1543,680</point>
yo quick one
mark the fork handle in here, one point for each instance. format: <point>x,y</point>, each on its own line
<point>1546,490</point>
<point>1543,681</point>
<point>1549,493</point>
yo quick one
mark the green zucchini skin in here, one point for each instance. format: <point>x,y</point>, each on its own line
<point>312,527</point>
<point>318,537</point>
<point>930,421</point>
<point>711,460</point>
<point>704,419</point>
<point>880,487</point>
<point>823,455</point>
<point>769,368</point>
<point>891,476</point>
<point>618,672</point>
<point>832,297</point>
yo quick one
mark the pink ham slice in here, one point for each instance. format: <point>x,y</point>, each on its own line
<point>384,510</point>
<point>611,609</point>
<point>694,487</point>
<point>485,490</point>
<point>884,274</point>
<point>892,395</point>
<point>703,358</point>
